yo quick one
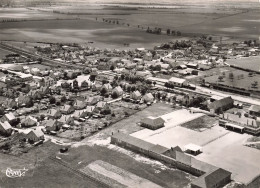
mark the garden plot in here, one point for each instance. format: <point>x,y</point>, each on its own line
<point>116,177</point>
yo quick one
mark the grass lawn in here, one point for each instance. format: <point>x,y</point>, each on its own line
<point>129,125</point>
<point>201,124</point>
<point>82,156</point>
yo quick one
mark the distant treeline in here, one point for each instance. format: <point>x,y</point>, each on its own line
<point>26,20</point>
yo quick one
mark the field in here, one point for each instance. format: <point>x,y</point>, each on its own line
<point>201,124</point>
<point>145,168</point>
<point>114,176</point>
<point>252,63</point>
<point>3,53</point>
<point>190,20</point>
<point>244,82</point>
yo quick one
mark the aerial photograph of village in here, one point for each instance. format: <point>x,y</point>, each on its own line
<point>130,93</point>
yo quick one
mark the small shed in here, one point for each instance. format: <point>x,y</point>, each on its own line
<point>193,149</point>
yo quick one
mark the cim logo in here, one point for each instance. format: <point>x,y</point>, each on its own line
<point>15,173</point>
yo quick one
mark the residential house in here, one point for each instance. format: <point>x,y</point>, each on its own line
<point>53,113</point>
<point>10,103</point>
<point>79,105</point>
<point>101,105</point>
<point>29,122</point>
<point>34,94</point>
<point>23,100</point>
<point>65,119</point>
<point>44,90</point>
<point>152,122</point>
<point>48,81</point>
<point>35,71</point>
<point>92,100</point>
<point>254,110</point>
<point>90,110</point>
<point>34,85</point>
<point>221,105</point>
<point>179,82</point>
<point>67,109</point>
<point>35,135</point>
<point>118,90</point>
<point>80,114</point>
<point>9,117</point>
<point>136,95</point>
<point>107,87</point>
<point>50,125</point>
<point>148,98</point>
<point>5,129</point>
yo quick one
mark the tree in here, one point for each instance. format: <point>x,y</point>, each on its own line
<point>231,76</point>
<point>52,100</point>
<point>75,84</point>
<point>112,67</point>
<point>254,84</point>
<point>154,83</point>
<point>168,31</point>
<point>103,91</point>
<point>114,95</point>
<point>92,78</point>
<point>220,78</point>
<point>29,102</point>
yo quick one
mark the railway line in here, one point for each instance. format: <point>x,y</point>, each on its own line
<point>46,61</point>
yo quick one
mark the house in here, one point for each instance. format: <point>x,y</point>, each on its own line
<point>23,100</point>
<point>67,109</point>
<point>192,65</point>
<point>136,95</point>
<point>35,135</point>
<point>10,118</point>
<point>48,81</point>
<point>80,114</point>
<point>10,103</point>
<point>34,94</point>
<point>92,100</point>
<point>118,90</point>
<point>33,85</point>
<point>44,90</point>
<point>35,71</point>
<point>107,87</point>
<point>152,122</point>
<point>254,110</point>
<point>29,122</point>
<point>101,105</point>
<point>50,125</point>
<point>5,128</point>
<point>90,110</point>
<point>215,179</point>
<point>148,97</point>
<point>66,119</point>
<point>53,113</point>
<point>221,105</point>
<point>79,105</point>
<point>179,82</point>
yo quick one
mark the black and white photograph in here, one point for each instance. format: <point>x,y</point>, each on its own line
<point>130,93</point>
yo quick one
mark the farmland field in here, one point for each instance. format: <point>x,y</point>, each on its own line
<point>3,53</point>
<point>252,63</point>
<point>55,27</point>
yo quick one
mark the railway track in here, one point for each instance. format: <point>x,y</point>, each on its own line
<point>94,182</point>
<point>46,61</point>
